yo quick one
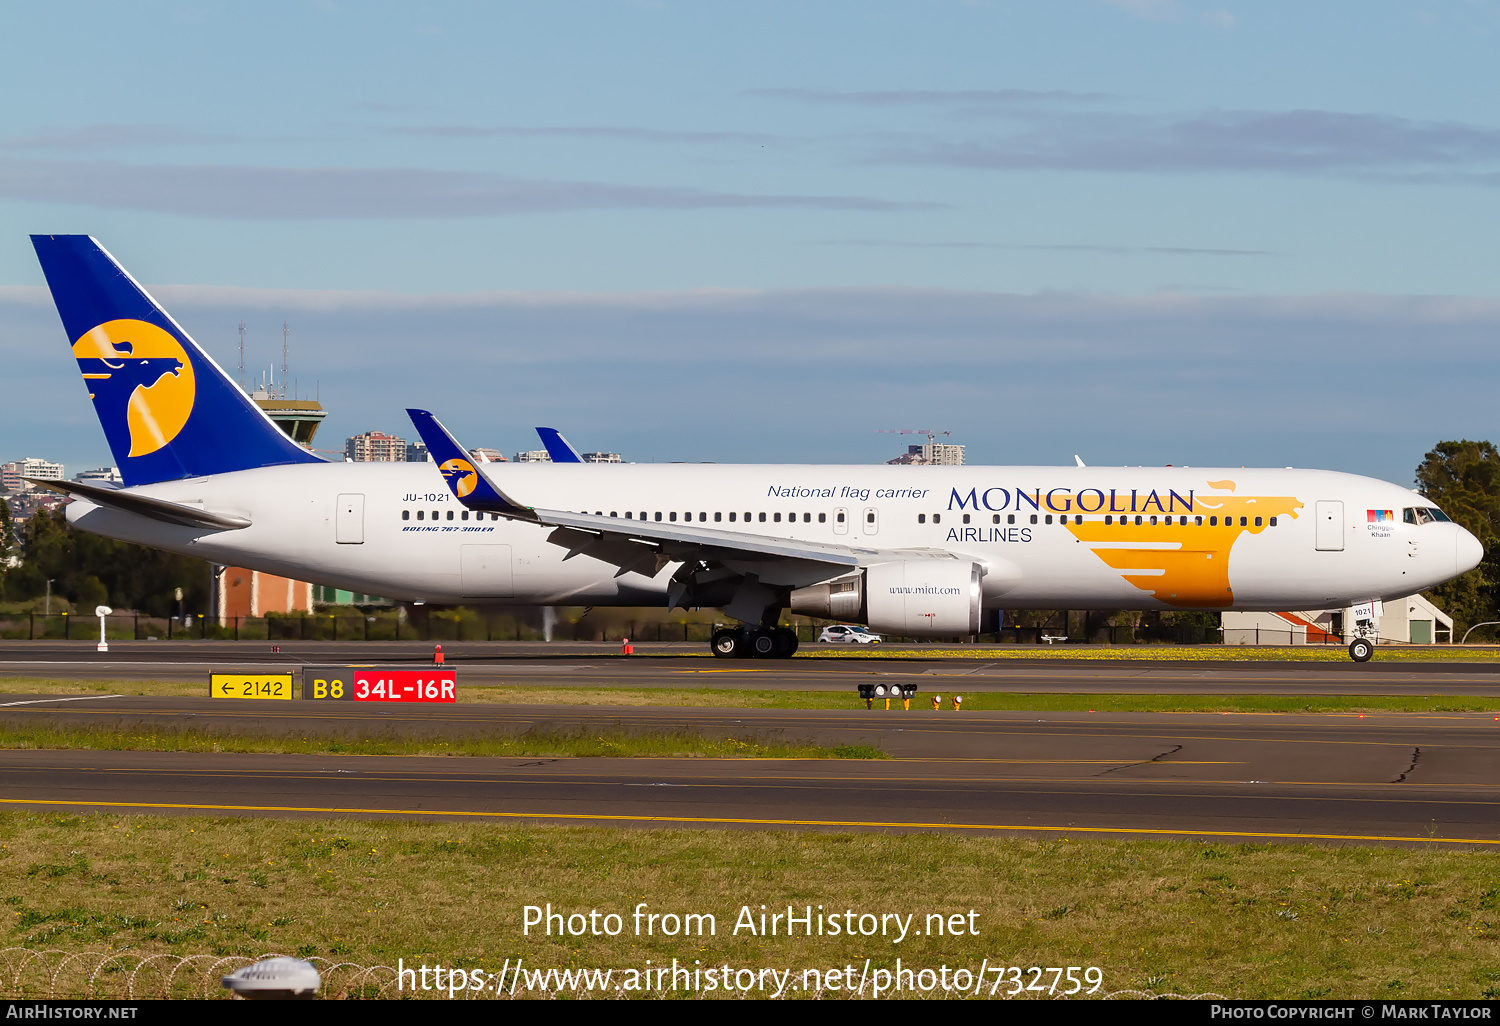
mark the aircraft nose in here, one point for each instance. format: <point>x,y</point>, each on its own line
<point>1468,551</point>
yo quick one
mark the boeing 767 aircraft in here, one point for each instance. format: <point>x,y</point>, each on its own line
<point>917,551</point>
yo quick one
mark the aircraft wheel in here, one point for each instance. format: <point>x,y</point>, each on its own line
<point>727,644</point>
<point>1361,649</point>
<point>763,644</point>
<point>791,642</point>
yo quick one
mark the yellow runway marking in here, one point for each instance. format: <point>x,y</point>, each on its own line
<point>577,816</point>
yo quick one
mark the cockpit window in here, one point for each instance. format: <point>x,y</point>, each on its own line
<point>1423,515</point>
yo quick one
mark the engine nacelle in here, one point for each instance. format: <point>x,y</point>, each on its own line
<point>931,597</point>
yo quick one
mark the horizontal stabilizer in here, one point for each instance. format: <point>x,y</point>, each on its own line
<point>145,505</point>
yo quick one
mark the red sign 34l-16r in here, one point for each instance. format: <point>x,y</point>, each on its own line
<point>377,684</point>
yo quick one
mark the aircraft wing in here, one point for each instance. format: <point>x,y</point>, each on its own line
<point>638,545</point>
<point>145,505</point>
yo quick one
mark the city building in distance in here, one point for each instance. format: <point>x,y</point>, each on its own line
<point>100,476</point>
<point>534,456</point>
<point>934,454</point>
<point>416,452</point>
<point>375,447</point>
<point>601,457</point>
<point>11,474</point>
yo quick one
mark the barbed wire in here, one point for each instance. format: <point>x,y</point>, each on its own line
<point>26,973</point>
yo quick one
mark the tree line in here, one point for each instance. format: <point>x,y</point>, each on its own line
<point>90,570</point>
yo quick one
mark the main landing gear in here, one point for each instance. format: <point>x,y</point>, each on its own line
<point>754,643</point>
<point>1361,649</point>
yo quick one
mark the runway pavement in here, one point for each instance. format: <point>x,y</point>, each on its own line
<point>1385,778</point>
<point>680,665</point>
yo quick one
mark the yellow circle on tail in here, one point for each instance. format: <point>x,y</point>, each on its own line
<point>162,400</point>
<point>462,473</point>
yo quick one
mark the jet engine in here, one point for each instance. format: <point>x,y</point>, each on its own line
<point>934,597</point>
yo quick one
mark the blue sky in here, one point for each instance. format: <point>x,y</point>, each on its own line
<point>1149,231</point>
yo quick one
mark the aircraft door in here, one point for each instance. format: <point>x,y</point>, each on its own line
<point>841,521</point>
<point>349,519</point>
<point>869,521</point>
<point>1330,526</point>
<point>487,571</point>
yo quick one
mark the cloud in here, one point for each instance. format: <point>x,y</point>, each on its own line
<point>1304,141</point>
<point>1050,247</point>
<point>648,135</point>
<point>807,375</point>
<point>255,193</point>
<point>1171,10</point>
<point>109,136</point>
<point>929,97</point>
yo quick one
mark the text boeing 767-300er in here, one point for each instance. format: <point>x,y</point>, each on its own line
<point>917,551</point>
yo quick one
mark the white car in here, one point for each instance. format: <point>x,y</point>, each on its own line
<point>849,634</point>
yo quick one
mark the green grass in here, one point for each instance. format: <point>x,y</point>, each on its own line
<point>1245,921</point>
<point>735,698</point>
<point>552,744</point>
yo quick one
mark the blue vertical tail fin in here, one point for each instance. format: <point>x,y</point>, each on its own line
<point>557,446</point>
<point>168,411</point>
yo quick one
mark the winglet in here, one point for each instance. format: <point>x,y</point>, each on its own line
<point>557,446</point>
<point>469,483</point>
<point>1079,460</point>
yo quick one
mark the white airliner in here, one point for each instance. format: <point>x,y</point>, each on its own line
<point>915,551</point>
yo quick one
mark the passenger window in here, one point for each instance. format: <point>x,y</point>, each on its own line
<point>763,518</point>
<point>419,514</point>
<point>776,517</point>
<point>702,517</point>
<point>450,514</point>
<point>937,518</point>
<point>658,517</point>
<point>1108,519</point>
<point>464,515</point>
<point>921,518</point>
<point>1243,523</point>
<point>435,515</point>
<point>966,518</point>
<point>1010,518</point>
<point>731,518</point>
<point>1049,518</point>
<point>822,518</point>
<point>614,514</point>
<point>672,516</point>
<point>1272,521</point>
<point>807,518</point>
<point>1137,521</point>
<point>995,519</point>
<point>718,518</point>
<point>1153,521</point>
<point>1033,518</point>
<point>406,514</point>
<point>1197,521</point>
